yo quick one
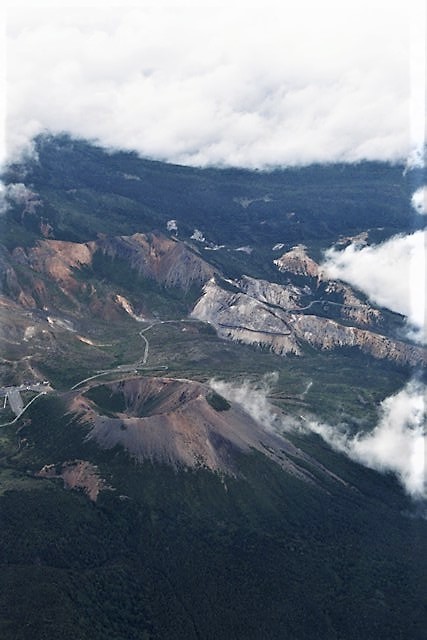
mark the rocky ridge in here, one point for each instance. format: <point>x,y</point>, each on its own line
<point>304,309</point>
<point>298,262</point>
<point>30,276</point>
<point>157,257</point>
<point>243,318</point>
<point>324,314</point>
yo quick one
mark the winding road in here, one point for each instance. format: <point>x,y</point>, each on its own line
<point>143,361</point>
<point>13,394</point>
<point>128,368</point>
<point>7,424</point>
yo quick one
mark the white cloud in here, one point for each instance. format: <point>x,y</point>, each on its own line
<point>419,201</point>
<point>4,205</point>
<point>396,444</point>
<point>392,275</point>
<point>286,83</point>
<point>19,194</point>
<point>254,399</point>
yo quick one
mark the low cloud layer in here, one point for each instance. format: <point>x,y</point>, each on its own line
<point>396,444</point>
<point>291,83</point>
<point>419,201</point>
<point>254,399</point>
<point>391,274</point>
<point>18,193</point>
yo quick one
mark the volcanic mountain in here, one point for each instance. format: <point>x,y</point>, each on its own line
<point>183,423</point>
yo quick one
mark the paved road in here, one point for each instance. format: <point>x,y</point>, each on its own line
<point>243,328</point>
<point>129,368</point>
<point>324,303</point>
<point>13,395</point>
<point>143,361</point>
<point>6,424</point>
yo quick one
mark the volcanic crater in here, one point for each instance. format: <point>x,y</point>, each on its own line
<point>182,423</point>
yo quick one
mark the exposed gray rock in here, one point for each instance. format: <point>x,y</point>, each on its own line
<point>270,315</point>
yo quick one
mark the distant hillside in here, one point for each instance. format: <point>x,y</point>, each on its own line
<point>81,190</point>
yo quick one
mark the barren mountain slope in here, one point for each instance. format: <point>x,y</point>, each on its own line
<point>308,309</point>
<point>182,423</point>
<point>153,256</point>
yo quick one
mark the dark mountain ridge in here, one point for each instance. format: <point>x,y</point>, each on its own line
<point>82,190</point>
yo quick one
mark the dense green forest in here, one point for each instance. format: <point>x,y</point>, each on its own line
<point>85,191</point>
<point>191,554</point>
